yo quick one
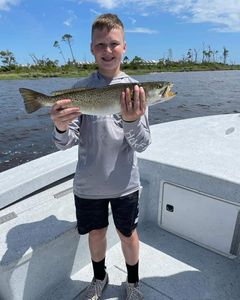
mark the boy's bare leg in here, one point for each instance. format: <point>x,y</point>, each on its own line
<point>97,244</point>
<point>130,247</point>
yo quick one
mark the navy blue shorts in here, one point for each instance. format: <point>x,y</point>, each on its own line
<point>93,213</point>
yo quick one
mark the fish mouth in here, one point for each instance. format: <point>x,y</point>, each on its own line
<point>166,91</point>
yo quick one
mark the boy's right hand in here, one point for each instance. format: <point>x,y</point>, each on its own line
<point>62,113</point>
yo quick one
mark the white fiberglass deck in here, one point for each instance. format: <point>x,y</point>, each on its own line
<point>170,268</point>
<point>43,258</point>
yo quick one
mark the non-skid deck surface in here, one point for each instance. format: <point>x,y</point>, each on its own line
<point>170,268</point>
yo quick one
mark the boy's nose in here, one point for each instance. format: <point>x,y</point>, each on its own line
<point>108,48</point>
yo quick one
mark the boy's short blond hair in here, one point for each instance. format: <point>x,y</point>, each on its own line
<point>108,21</point>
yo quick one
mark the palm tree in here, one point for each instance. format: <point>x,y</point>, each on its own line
<point>206,55</point>
<point>56,45</point>
<point>170,54</point>
<point>189,55</point>
<point>195,55</point>
<point>67,38</point>
<point>137,60</point>
<point>125,60</point>
<point>210,53</point>
<point>7,58</point>
<point>215,52</point>
<point>225,55</point>
<point>203,55</point>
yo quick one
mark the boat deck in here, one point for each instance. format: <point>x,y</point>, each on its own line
<point>191,187</point>
<point>170,268</point>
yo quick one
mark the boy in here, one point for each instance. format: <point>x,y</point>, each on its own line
<point>107,170</point>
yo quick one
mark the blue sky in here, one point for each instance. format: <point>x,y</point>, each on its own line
<point>152,27</point>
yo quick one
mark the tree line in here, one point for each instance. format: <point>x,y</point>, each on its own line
<point>208,55</point>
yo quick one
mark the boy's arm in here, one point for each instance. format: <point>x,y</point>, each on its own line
<point>135,119</point>
<point>67,119</point>
<point>138,133</point>
<point>66,129</point>
<point>67,139</point>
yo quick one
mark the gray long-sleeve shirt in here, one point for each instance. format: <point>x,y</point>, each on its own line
<point>107,163</point>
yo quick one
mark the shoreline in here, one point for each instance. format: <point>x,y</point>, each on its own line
<point>40,74</point>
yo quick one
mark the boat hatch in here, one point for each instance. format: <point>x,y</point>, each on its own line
<point>203,219</point>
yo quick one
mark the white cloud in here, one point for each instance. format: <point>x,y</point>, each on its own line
<point>108,4</point>
<point>222,14</point>
<point>70,19</point>
<point>6,4</point>
<point>145,14</point>
<point>133,21</point>
<point>97,13</point>
<point>67,23</point>
<point>141,30</point>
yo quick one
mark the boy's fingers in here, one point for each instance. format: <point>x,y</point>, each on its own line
<point>61,104</point>
<point>123,102</point>
<point>68,118</point>
<point>142,99</point>
<point>134,108</point>
<point>136,97</point>
<point>64,108</point>
<point>64,114</point>
<point>128,99</point>
<point>69,110</point>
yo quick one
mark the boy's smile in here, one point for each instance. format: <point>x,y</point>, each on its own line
<point>108,48</point>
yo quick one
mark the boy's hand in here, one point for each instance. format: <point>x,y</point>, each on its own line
<point>133,110</point>
<point>62,114</point>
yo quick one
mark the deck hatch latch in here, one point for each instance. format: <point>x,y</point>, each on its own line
<point>170,208</point>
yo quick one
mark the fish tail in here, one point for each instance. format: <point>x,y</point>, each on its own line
<point>31,101</point>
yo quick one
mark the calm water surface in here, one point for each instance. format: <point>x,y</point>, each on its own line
<point>24,137</point>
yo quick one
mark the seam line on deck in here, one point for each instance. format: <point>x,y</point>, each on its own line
<point>144,283</point>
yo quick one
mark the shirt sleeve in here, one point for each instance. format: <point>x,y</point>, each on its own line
<point>68,138</point>
<point>137,133</point>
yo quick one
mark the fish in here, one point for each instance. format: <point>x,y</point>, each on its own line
<point>98,101</point>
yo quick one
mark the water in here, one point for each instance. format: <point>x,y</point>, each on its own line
<point>24,137</point>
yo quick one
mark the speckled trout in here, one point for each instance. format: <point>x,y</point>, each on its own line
<point>98,101</point>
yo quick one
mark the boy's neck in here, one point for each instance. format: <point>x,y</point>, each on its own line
<point>109,74</point>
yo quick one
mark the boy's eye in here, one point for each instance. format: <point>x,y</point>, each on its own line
<point>100,45</point>
<point>103,46</point>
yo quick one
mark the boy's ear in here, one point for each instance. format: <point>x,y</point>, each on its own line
<point>124,47</point>
<point>91,48</point>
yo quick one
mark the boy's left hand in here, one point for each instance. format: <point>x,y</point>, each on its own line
<point>132,110</point>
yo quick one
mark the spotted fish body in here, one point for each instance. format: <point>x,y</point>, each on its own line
<point>98,101</point>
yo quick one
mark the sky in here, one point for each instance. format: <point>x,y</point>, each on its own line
<point>155,29</point>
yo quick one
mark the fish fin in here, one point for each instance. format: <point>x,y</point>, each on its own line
<point>30,99</point>
<point>62,92</point>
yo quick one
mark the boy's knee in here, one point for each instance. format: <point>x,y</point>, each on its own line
<point>98,233</point>
<point>128,238</point>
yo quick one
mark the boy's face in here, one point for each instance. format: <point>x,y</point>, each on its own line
<point>108,48</point>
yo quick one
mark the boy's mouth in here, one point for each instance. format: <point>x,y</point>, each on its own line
<point>107,59</point>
